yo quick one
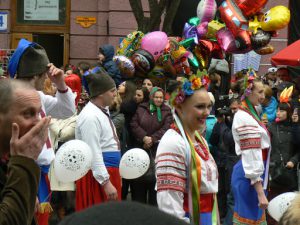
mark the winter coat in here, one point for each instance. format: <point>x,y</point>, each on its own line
<point>282,141</point>
<point>128,109</point>
<point>109,65</point>
<point>118,120</point>
<point>18,190</point>
<point>145,123</point>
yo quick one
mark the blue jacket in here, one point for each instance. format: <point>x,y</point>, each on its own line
<point>109,65</point>
<point>210,123</point>
<point>270,110</point>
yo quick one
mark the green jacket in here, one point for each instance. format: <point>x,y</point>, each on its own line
<point>18,190</point>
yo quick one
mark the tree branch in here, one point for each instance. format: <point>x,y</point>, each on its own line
<point>138,12</point>
<point>171,10</point>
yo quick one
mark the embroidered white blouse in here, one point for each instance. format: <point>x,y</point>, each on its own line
<point>250,138</point>
<point>171,167</point>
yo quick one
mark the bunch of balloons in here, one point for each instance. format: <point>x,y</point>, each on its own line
<point>241,28</point>
<point>247,28</point>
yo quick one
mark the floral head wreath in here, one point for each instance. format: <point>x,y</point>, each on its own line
<point>188,87</point>
<point>248,83</point>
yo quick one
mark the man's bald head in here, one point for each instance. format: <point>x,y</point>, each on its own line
<point>7,89</point>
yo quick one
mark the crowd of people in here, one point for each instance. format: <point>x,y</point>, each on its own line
<point>220,149</point>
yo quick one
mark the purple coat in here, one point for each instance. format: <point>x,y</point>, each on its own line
<point>145,123</point>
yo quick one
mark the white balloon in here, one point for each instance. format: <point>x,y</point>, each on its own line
<point>134,163</point>
<point>278,205</point>
<point>72,161</point>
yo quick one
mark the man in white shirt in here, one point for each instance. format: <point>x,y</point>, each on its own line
<point>94,126</point>
<point>30,63</point>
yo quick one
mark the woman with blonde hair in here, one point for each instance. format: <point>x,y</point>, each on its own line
<point>187,175</point>
<point>252,143</point>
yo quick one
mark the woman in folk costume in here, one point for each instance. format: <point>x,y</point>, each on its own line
<point>252,144</point>
<point>187,176</point>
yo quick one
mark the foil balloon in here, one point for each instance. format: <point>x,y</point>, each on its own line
<point>260,39</point>
<point>250,7</point>
<point>193,60</point>
<point>233,17</point>
<point>143,62</point>
<point>194,21</point>
<point>176,50</point>
<point>213,27</point>
<point>211,49</point>
<point>158,73</point>
<point>276,18</point>
<point>243,40</point>
<point>72,161</point>
<point>130,43</point>
<point>182,66</point>
<point>206,10</point>
<point>155,43</point>
<point>268,49</point>
<point>187,42</point>
<point>228,42</point>
<point>202,30</point>
<point>203,61</point>
<point>125,66</point>
<point>190,31</point>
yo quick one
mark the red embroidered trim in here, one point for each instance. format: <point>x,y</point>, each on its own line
<point>198,148</point>
<point>245,221</point>
<point>250,143</point>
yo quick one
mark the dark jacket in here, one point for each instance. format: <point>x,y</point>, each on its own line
<point>128,109</point>
<point>109,65</point>
<point>282,141</point>
<point>118,120</point>
<point>18,188</point>
<point>145,123</point>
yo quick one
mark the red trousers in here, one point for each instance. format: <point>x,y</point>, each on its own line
<point>89,192</point>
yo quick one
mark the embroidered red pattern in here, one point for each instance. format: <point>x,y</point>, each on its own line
<point>250,143</point>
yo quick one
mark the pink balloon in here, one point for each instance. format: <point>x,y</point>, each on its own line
<point>202,29</point>
<point>155,43</point>
<point>227,42</point>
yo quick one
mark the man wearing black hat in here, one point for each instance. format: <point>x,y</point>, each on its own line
<point>30,63</point>
<point>22,136</point>
<point>94,126</point>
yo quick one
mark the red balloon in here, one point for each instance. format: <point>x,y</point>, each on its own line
<point>233,17</point>
<point>243,40</point>
<point>251,7</point>
<point>211,49</point>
